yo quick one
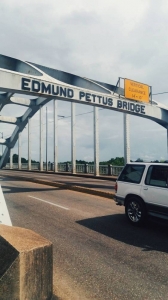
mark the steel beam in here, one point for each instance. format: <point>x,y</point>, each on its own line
<point>126,138</point>
<point>29,144</point>
<point>73,139</point>
<point>21,123</point>
<point>55,136</point>
<point>41,138</point>
<point>11,159</point>
<point>96,141</point>
<point>19,151</point>
<point>46,140</point>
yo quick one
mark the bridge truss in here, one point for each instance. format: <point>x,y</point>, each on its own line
<point>19,79</point>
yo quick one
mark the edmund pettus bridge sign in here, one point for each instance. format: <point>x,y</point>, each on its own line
<point>28,78</point>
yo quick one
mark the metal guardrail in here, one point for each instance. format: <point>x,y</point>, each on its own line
<point>66,167</point>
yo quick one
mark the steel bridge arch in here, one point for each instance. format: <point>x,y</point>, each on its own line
<point>35,104</point>
<point>13,70</point>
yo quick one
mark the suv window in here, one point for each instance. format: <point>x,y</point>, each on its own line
<point>132,173</point>
<point>157,176</point>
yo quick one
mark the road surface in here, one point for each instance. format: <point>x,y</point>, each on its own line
<point>97,253</point>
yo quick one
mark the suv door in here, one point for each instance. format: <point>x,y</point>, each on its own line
<point>155,189</point>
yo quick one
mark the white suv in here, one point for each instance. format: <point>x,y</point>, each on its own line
<point>143,189</point>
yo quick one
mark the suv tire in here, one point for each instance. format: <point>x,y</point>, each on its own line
<point>135,210</point>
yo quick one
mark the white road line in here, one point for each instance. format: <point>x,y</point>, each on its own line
<point>49,202</point>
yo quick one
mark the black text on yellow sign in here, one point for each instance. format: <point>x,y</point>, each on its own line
<point>136,90</point>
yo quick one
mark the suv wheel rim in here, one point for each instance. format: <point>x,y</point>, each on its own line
<point>134,211</point>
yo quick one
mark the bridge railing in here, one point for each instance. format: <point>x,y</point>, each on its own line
<point>67,167</point>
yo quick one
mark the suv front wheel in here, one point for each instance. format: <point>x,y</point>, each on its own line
<point>135,210</point>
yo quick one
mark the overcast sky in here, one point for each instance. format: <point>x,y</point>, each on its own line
<point>101,40</point>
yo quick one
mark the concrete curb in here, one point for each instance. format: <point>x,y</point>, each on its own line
<point>109,195</point>
<point>102,177</point>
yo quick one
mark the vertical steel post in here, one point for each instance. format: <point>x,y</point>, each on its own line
<point>55,136</point>
<point>151,94</point>
<point>41,138</point>
<point>19,151</point>
<point>46,140</point>
<point>126,135</point>
<point>29,144</point>
<point>167,142</point>
<point>11,159</point>
<point>96,141</point>
<point>2,144</point>
<point>126,138</point>
<point>73,139</point>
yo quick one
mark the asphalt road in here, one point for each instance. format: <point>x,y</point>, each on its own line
<point>102,183</point>
<point>97,253</point>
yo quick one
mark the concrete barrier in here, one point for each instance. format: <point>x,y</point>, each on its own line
<point>26,265</point>
<point>4,214</point>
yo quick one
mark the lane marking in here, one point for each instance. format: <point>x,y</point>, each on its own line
<point>49,202</point>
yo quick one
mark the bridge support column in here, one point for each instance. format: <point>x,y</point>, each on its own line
<point>73,138</point>
<point>126,139</point>
<point>55,136</point>
<point>29,144</point>
<point>19,151</point>
<point>41,138</point>
<point>46,141</point>
<point>96,141</point>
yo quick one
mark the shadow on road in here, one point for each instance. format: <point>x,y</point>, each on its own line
<point>28,190</point>
<point>152,236</point>
<point>71,180</point>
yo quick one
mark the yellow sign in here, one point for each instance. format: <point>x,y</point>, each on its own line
<point>136,90</point>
